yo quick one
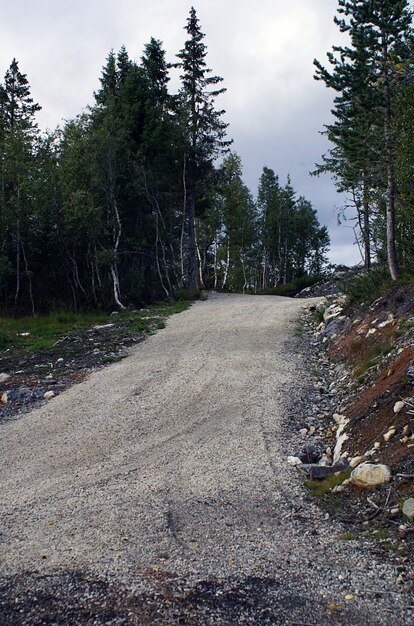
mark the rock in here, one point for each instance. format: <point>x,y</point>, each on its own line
<point>357,460</point>
<point>332,311</point>
<point>49,394</point>
<point>102,326</point>
<point>410,371</point>
<point>333,326</point>
<point>408,508</point>
<point>339,443</point>
<point>4,398</point>
<point>294,460</point>
<point>319,472</point>
<point>310,454</point>
<point>390,434</point>
<point>377,445</point>
<point>303,432</point>
<point>406,430</point>
<point>4,377</point>
<point>368,475</point>
<point>398,406</point>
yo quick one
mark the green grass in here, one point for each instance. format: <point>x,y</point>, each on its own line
<point>42,331</point>
<point>369,357</point>
<point>321,488</point>
<point>318,314</point>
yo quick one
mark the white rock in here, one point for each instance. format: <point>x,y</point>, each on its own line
<point>331,312</point>
<point>357,460</point>
<point>340,419</point>
<point>3,398</point>
<point>294,460</point>
<point>398,406</point>
<point>102,326</point>
<point>303,432</point>
<point>49,394</point>
<point>338,448</point>
<point>377,445</point>
<point>368,475</point>
<point>4,377</point>
<point>390,434</point>
<point>408,508</point>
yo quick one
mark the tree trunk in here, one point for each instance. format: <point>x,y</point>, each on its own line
<point>200,264</point>
<point>389,160</point>
<point>215,264</point>
<point>192,260</point>
<point>183,222</point>
<point>226,271</point>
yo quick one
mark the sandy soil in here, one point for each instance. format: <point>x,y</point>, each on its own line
<point>172,463</point>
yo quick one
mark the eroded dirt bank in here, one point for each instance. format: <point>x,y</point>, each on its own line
<point>157,491</point>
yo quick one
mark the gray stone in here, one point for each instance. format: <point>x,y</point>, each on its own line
<point>4,377</point>
<point>408,508</point>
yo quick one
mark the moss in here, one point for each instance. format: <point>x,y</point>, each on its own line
<point>320,488</point>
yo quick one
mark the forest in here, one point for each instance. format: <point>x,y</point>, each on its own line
<point>140,196</point>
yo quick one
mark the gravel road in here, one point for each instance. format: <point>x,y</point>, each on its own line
<point>157,492</point>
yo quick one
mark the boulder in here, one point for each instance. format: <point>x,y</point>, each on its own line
<point>369,476</point>
<point>408,508</point>
<point>398,406</point>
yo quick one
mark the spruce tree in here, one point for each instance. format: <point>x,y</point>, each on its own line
<point>204,130</point>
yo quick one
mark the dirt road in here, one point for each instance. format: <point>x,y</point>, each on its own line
<point>158,491</point>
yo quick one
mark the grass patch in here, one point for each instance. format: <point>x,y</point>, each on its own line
<point>348,536</point>
<point>317,315</point>
<point>365,356</point>
<point>41,332</point>
<point>320,488</point>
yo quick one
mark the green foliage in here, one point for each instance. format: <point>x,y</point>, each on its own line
<point>187,294</point>
<point>367,287</point>
<point>126,204</point>
<point>371,158</point>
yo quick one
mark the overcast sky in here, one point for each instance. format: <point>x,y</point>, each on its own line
<point>264,51</point>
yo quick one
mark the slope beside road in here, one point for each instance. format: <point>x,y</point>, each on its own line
<point>157,491</point>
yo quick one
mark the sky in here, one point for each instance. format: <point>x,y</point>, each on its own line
<point>264,50</point>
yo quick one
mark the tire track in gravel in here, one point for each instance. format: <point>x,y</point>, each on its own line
<point>157,491</point>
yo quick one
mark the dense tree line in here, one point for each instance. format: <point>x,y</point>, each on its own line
<point>372,158</point>
<point>128,202</point>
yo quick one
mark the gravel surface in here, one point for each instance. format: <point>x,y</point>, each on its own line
<point>157,491</point>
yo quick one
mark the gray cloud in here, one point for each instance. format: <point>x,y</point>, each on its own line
<point>264,51</point>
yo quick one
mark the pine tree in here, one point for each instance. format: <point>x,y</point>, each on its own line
<point>19,132</point>
<point>204,130</point>
<point>366,75</point>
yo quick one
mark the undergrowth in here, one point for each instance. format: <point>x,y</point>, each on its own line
<point>41,332</point>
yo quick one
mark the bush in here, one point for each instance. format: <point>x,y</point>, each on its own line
<point>187,295</point>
